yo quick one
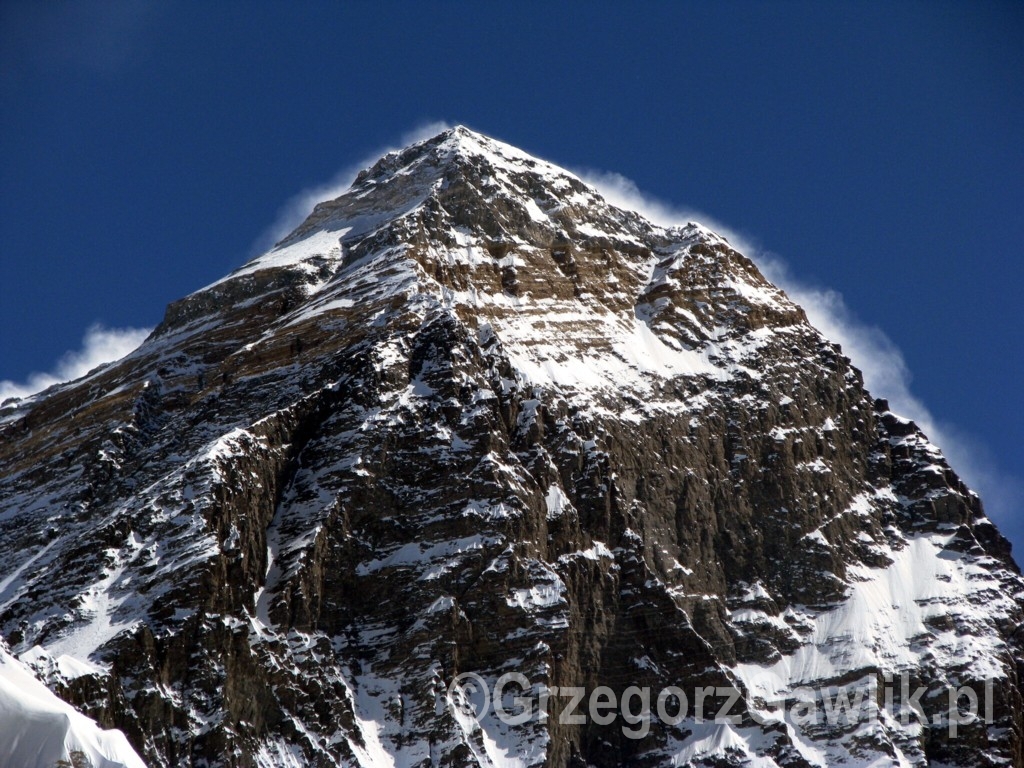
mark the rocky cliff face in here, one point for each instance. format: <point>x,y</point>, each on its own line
<point>470,418</point>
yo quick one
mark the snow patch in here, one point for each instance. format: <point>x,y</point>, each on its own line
<point>39,729</point>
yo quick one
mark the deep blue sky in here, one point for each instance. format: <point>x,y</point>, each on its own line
<point>876,147</point>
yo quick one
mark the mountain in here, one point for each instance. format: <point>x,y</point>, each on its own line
<point>470,423</point>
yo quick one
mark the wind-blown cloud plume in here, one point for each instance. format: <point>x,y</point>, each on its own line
<point>100,345</point>
<point>624,193</point>
<point>885,370</point>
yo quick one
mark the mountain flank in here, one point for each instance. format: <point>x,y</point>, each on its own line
<point>470,419</point>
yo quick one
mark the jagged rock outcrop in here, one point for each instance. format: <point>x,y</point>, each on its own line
<point>471,418</point>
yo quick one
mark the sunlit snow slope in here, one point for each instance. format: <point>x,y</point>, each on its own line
<point>37,729</point>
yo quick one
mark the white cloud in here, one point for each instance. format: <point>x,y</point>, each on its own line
<point>624,193</point>
<point>299,206</point>
<point>100,345</point>
<point>885,370</point>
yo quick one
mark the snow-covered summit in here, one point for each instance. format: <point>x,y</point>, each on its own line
<point>455,155</point>
<point>457,166</point>
<point>525,248</point>
<point>461,144</point>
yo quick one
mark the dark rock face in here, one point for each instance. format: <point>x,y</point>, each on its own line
<point>469,418</point>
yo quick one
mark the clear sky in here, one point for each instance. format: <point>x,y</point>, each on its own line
<point>875,148</point>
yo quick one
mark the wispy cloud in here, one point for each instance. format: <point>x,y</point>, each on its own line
<point>299,206</point>
<point>885,370</point>
<point>100,345</point>
<point>624,193</point>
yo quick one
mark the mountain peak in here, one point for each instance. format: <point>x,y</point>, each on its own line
<point>474,216</point>
<point>462,170</point>
<point>450,149</point>
<point>461,134</point>
<point>470,419</point>
<point>469,143</point>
